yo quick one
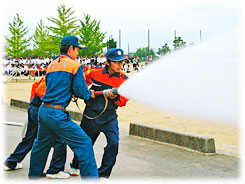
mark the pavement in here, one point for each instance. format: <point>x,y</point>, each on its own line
<point>138,158</point>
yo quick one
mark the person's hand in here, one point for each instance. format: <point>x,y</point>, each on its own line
<point>92,94</point>
<point>111,95</point>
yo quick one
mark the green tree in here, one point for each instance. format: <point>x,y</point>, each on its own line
<point>164,50</point>
<point>91,36</point>
<point>111,43</point>
<point>178,43</point>
<point>41,41</point>
<point>17,44</point>
<point>65,24</point>
<point>143,52</point>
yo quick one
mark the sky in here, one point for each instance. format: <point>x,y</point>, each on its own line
<point>135,17</point>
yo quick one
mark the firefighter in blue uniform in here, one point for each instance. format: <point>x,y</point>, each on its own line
<point>104,78</point>
<point>64,78</point>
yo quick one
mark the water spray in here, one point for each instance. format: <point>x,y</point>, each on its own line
<point>200,81</point>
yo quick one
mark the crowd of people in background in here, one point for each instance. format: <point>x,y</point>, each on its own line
<point>37,66</point>
<point>25,66</point>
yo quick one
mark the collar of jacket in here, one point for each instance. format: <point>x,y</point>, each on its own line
<point>61,56</point>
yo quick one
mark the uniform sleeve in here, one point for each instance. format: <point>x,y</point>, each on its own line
<point>79,86</point>
<point>120,101</point>
<point>33,89</point>
<point>41,89</point>
<point>88,77</point>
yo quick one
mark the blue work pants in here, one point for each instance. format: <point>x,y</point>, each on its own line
<point>58,161</point>
<point>23,148</point>
<point>111,132</point>
<point>57,124</point>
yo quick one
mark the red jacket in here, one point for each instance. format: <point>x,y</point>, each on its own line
<point>99,79</point>
<point>37,91</point>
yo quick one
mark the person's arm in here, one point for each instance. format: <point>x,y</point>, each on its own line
<point>120,101</point>
<point>79,86</point>
<point>41,89</point>
<point>33,89</point>
<point>88,76</point>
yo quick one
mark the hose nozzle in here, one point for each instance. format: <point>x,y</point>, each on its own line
<point>100,93</point>
<point>113,90</point>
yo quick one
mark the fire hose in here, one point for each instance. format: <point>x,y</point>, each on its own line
<point>98,93</point>
<point>74,99</point>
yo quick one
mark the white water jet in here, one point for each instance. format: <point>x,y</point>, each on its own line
<point>200,80</point>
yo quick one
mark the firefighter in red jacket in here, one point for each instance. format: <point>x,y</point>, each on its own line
<point>105,78</point>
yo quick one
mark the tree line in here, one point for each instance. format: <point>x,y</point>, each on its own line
<point>46,39</point>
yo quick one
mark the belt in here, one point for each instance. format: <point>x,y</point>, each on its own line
<point>55,106</point>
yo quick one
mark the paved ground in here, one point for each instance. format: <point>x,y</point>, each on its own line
<point>137,158</point>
